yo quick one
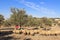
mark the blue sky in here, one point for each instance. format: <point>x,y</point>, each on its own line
<point>36,8</point>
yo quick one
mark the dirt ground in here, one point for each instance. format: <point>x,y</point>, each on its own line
<point>36,37</point>
<point>27,37</point>
<point>12,36</point>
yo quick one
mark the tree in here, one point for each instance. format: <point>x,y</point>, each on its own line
<point>46,23</point>
<point>1,19</point>
<point>18,17</point>
<point>7,23</point>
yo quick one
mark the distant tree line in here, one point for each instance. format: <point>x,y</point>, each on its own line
<point>21,18</point>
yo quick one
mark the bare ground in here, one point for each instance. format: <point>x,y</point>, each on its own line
<point>36,37</point>
<point>12,36</point>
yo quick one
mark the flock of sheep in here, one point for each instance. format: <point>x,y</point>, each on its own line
<point>33,32</point>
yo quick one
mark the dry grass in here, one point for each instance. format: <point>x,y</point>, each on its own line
<point>36,37</point>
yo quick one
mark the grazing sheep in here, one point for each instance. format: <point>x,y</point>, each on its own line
<point>23,31</point>
<point>32,32</point>
<point>16,31</point>
<point>35,31</point>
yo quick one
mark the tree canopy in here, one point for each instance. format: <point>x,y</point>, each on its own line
<point>21,18</point>
<point>1,19</point>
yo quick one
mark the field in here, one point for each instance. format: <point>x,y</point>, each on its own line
<point>9,35</point>
<point>23,37</point>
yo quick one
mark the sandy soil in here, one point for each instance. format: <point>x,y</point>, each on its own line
<point>12,36</point>
<point>36,37</point>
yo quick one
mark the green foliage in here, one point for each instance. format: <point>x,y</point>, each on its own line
<point>6,23</point>
<point>46,21</point>
<point>1,19</point>
<point>18,16</point>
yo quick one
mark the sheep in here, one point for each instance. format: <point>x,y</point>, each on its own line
<point>31,32</point>
<point>16,31</point>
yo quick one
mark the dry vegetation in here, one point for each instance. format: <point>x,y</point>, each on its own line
<point>18,36</point>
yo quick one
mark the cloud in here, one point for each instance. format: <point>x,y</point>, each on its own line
<point>20,1</point>
<point>37,7</point>
<point>42,2</point>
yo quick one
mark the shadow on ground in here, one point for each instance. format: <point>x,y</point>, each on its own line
<point>2,34</point>
<point>5,33</point>
<point>6,38</point>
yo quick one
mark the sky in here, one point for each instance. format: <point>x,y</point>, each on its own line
<point>36,8</point>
